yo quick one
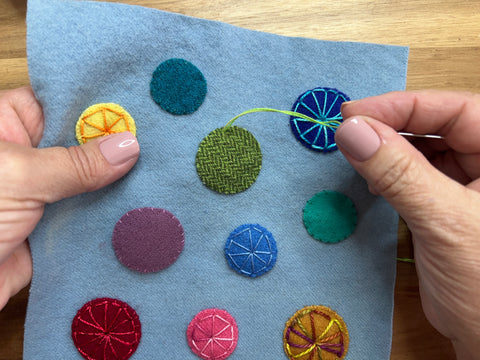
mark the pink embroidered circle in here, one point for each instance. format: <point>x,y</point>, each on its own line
<point>106,329</point>
<point>148,239</point>
<point>213,334</point>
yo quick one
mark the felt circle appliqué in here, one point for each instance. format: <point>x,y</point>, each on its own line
<point>229,160</point>
<point>102,120</point>
<point>251,250</point>
<point>315,332</point>
<point>106,329</point>
<point>212,334</point>
<point>178,86</point>
<point>321,104</point>
<point>330,216</point>
<point>148,239</point>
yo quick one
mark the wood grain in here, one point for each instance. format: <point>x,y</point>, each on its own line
<point>443,36</point>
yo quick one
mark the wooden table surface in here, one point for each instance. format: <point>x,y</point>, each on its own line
<point>444,40</point>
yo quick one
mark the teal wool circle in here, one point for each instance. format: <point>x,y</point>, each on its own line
<point>330,216</point>
<point>178,86</point>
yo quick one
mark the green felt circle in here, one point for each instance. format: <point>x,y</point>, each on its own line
<point>330,216</point>
<point>229,160</point>
<point>178,86</point>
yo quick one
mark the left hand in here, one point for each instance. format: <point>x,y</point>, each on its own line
<point>30,178</point>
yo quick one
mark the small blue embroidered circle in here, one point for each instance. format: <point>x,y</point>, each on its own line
<point>322,104</point>
<point>251,250</point>
<point>178,86</point>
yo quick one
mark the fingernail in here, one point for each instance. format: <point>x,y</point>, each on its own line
<point>357,138</point>
<point>117,149</point>
<point>346,103</point>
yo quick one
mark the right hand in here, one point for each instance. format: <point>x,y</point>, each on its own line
<point>435,188</point>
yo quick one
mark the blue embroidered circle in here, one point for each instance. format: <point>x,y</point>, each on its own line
<point>251,250</point>
<point>178,86</point>
<point>321,104</point>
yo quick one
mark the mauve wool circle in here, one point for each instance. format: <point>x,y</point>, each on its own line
<point>148,239</point>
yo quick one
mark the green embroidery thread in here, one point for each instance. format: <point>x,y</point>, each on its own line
<point>333,124</point>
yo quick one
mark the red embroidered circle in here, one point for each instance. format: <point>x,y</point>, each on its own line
<point>213,334</point>
<point>106,329</point>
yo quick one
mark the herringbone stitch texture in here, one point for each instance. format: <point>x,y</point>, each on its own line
<point>229,160</point>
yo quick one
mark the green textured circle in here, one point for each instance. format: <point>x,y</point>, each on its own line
<point>330,216</point>
<point>229,160</point>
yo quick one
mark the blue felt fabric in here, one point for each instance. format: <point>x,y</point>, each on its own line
<point>82,53</point>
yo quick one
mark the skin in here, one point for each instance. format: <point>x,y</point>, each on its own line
<point>21,123</point>
<point>34,177</point>
<point>434,185</point>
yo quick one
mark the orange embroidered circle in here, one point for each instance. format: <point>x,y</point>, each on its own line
<point>315,332</point>
<point>102,120</point>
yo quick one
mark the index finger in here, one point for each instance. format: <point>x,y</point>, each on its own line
<point>453,115</point>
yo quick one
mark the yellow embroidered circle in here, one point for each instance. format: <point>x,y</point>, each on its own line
<point>102,120</point>
<point>315,332</point>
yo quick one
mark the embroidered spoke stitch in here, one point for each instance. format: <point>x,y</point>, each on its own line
<point>323,104</point>
<point>215,339</point>
<point>251,250</point>
<point>316,332</point>
<point>106,329</point>
<point>213,334</point>
<point>102,120</point>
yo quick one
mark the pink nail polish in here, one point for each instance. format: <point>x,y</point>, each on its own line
<point>117,149</point>
<point>358,138</point>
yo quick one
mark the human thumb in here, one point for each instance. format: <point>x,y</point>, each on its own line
<point>396,170</point>
<point>57,173</point>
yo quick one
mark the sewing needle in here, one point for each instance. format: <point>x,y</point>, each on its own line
<point>427,136</point>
